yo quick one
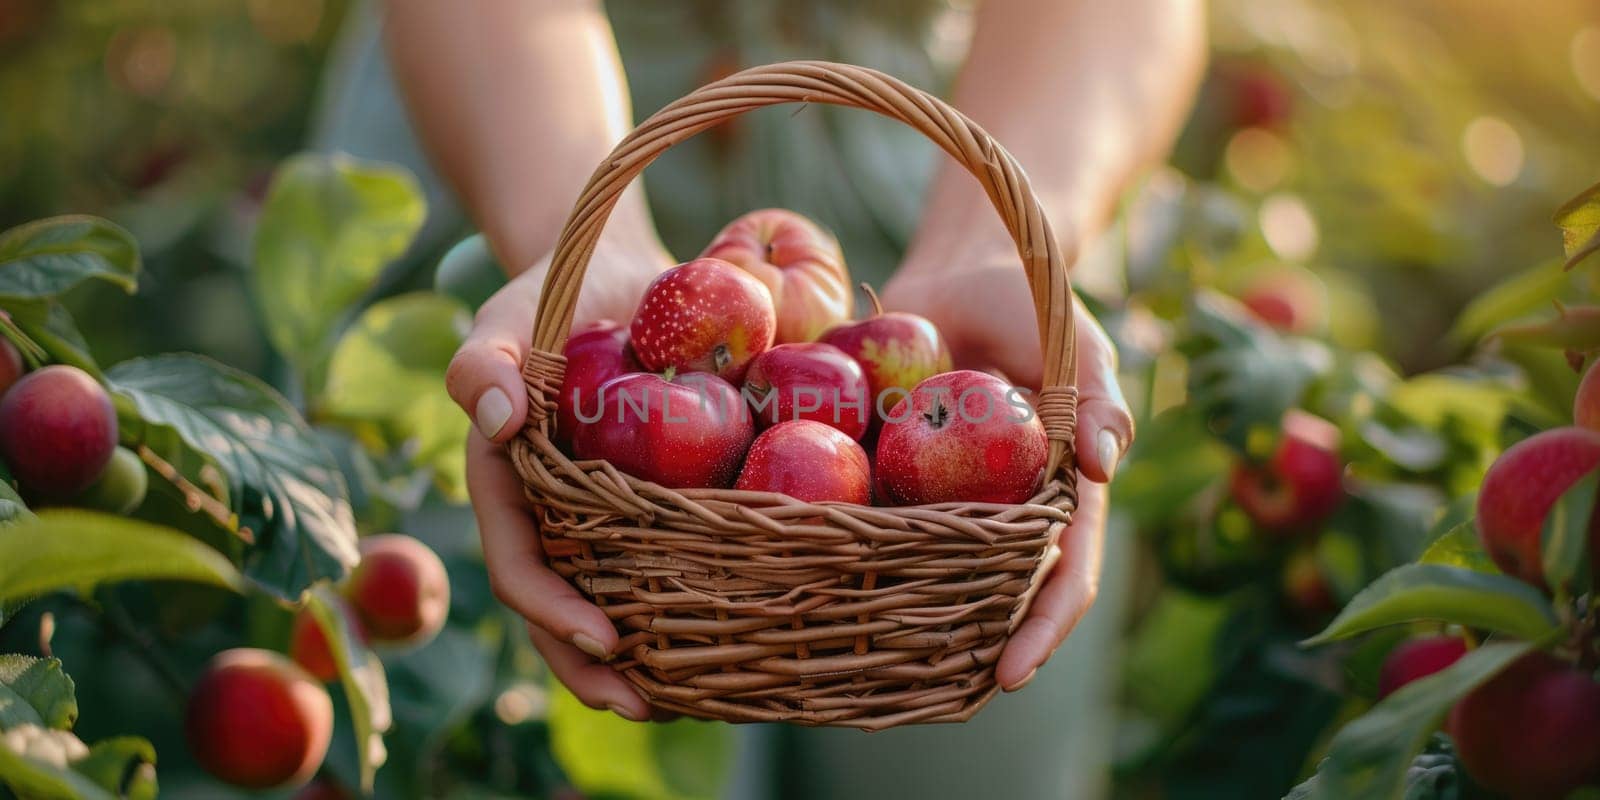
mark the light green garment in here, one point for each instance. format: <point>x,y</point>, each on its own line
<point>1053,739</point>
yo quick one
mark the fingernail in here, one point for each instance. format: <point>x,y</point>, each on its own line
<point>623,712</point>
<point>1026,679</point>
<point>1109,450</point>
<point>590,645</point>
<point>492,413</point>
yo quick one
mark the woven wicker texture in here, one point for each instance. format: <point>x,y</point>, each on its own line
<point>746,606</point>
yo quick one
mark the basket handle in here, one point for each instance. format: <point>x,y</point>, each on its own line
<point>835,84</point>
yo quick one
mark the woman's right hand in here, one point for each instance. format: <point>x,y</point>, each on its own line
<point>485,379</point>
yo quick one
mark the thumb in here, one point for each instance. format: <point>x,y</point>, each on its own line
<point>1105,426</point>
<point>485,376</point>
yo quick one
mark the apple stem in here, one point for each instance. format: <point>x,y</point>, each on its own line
<point>872,297</point>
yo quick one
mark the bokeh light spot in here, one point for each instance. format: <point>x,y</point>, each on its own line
<point>1288,227</point>
<point>1493,149</point>
<point>1257,159</point>
<point>1586,60</point>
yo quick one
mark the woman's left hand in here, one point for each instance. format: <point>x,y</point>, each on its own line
<point>986,314</point>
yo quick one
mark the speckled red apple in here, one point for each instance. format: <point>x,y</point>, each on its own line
<point>812,381</point>
<point>1416,659</point>
<point>896,350</point>
<point>800,263</point>
<point>1300,486</point>
<point>706,316</point>
<point>961,436</point>
<point>58,430</point>
<point>595,353</point>
<point>258,721</point>
<point>690,431</point>
<point>808,461</point>
<point>1521,487</point>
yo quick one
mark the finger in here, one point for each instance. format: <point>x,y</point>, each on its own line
<point>1105,426</point>
<point>597,685</point>
<point>485,376</point>
<point>1066,595</point>
<point>517,573</point>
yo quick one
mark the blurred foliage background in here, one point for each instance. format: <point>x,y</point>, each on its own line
<point>1410,154</point>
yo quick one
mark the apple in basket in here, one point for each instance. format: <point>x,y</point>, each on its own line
<point>705,315</point>
<point>681,430</point>
<point>812,381</point>
<point>897,350</point>
<point>961,436</point>
<point>808,461</point>
<point>799,262</point>
<point>595,353</point>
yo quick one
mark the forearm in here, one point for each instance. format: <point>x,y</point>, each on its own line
<point>517,101</point>
<point>1084,93</point>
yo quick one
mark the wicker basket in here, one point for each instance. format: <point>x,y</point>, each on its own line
<point>756,607</point>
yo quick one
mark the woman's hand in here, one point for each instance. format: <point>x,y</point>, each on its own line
<point>986,313</point>
<point>485,379</point>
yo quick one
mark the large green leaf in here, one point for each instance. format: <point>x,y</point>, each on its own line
<point>42,259</point>
<point>607,755</point>
<point>69,549</point>
<point>361,673</point>
<point>35,690</point>
<point>1579,219</point>
<point>1564,541</point>
<point>49,325</point>
<point>389,369</point>
<point>1369,758</point>
<point>283,484</point>
<point>1416,592</point>
<point>329,225</point>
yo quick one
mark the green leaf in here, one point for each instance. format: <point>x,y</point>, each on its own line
<point>1370,757</point>
<point>124,765</point>
<point>604,754</point>
<point>1416,592</point>
<point>1519,295</point>
<point>1573,328</point>
<point>328,227</point>
<point>283,484</point>
<point>389,369</point>
<point>1180,628</point>
<point>37,763</point>
<point>1564,541</point>
<point>69,549</point>
<point>43,259</point>
<point>1459,547</point>
<point>1579,219</point>
<point>35,690</point>
<point>1242,376</point>
<point>51,327</point>
<point>469,272</point>
<point>365,687</point>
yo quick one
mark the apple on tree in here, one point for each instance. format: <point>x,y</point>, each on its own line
<point>400,591</point>
<point>1522,486</point>
<point>961,436</point>
<point>1531,731</point>
<point>682,431</point>
<point>1416,659</point>
<point>1300,486</point>
<point>800,264</point>
<point>808,461</point>
<point>308,645</point>
<point>58,431</point>
<point>257,720</point>
<point>812,381</point>
<point>705,315</point>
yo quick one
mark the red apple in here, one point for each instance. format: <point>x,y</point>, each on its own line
<point>1586,404</point>
<point>808,461</point>
<point>686,431</point>
<point>1417,659</point>
<point>1290,300</point>
<point>799,262</point>
<point>812,381</point>
<point>896,350</point>
<point>308,645</point>
<point>961,436</point>
<point>57,431</point>
<point>1261,97</point>
<point>595,353</point>
<point>1521,487</point>
<point>400,590</point>
<point>1531,731</point>
<point>707,316</point>
<point>257,720</point>
<point>1299,486</point>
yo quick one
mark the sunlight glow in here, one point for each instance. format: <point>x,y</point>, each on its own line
<point>1493,149</point>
